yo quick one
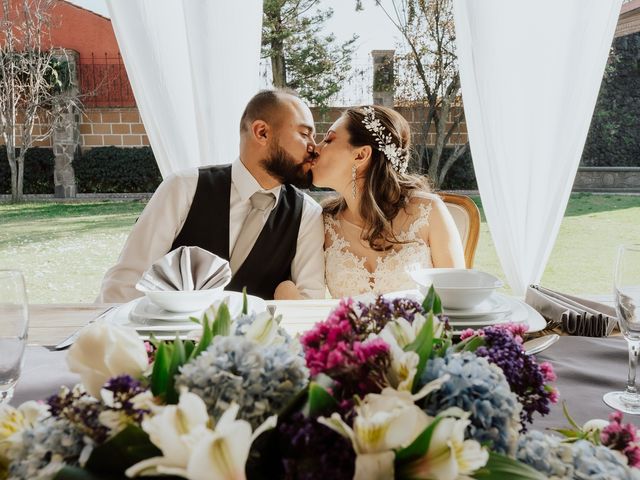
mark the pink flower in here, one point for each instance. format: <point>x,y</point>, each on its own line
<point>622,438</point>
<point>547,371</point>
<point>467,333</point>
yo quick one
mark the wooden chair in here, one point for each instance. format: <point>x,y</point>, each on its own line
<point>467,217</point>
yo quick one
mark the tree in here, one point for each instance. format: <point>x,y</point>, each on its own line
<point>427,76</point>
<point>301,58</point>
<point>33,81</point>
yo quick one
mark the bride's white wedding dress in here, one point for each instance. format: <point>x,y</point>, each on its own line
<point>352,268</point>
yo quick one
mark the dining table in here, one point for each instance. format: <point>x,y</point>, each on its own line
<point>586,367</point>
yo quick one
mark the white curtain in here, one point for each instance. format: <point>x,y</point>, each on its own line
<point>193,65</point>
<point>530,73</point>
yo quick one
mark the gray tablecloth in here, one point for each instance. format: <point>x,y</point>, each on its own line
<point>42,374</point>
<point>587,368</point>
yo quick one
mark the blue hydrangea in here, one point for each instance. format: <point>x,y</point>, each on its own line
<point>581,460</point>
<point>480,388</point>
<point>261,379</point>
<point>44,449</point>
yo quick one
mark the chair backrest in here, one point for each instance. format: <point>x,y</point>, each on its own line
<point>467,217</point>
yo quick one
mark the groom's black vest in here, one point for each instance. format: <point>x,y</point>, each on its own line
<point>207,226</point>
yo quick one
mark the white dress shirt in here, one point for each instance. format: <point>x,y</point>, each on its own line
<point>162,219</point>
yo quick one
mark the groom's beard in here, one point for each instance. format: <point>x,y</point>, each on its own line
<point>282,166</point>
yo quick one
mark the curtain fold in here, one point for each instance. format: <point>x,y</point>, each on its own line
<point>193,65</point>
<point>530,75</point>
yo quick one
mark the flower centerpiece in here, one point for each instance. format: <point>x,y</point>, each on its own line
<point>375,391</point>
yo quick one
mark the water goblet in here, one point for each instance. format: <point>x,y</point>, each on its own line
<point>14,323</point>
<point>626,288</point>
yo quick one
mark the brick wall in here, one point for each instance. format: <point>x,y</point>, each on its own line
<point>122,127</point>
<point>119,127</point>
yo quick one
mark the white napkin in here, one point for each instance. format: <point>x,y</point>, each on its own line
<point>186,269</point>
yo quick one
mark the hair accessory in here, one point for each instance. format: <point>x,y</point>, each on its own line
<point>353,180</point>
<point>399,157</point>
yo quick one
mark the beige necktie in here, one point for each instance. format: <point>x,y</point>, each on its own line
<point>251,228</point>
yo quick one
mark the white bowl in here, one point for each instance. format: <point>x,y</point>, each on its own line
<point>183,301</point>
<point>458,288</point>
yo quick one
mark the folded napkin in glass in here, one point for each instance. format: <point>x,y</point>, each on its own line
<point>186,269</point>
<point>575,315</point>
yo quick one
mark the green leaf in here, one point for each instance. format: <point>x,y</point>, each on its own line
<point>500,467</point>
<point>320,401</point>
<point>178,358</point>
<point>571,421</point>
<point>423,346</point>
<point>222,323</point>
<point>127,448</point>
<point>470,344</point>
<point>205,338</point>
<point>160,372</point>
<point>432,302</point>
<point>419,446</point>
<point>77,473</point>
<point>245,301</point>
<point>566,432</point>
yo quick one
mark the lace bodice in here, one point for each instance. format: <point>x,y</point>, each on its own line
<point>352,268</point>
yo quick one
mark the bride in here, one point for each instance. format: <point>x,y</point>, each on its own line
<point>384,221</point>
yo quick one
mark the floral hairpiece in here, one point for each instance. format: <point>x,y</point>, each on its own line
<point>399,157</point>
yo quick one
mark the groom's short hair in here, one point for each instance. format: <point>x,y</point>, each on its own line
<point>265,105</point>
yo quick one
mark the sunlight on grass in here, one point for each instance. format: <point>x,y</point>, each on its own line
<point>64,249</point>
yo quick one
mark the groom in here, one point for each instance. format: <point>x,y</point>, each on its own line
<point>247,212</point>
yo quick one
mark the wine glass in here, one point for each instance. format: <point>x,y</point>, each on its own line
<point>626,287</point>
<point>14,323</point>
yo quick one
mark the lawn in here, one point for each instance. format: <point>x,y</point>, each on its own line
<point>65,248</point>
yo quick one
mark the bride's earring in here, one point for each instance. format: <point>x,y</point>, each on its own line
<point>353,180</point>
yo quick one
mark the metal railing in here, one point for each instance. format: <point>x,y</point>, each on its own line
<point>103,82</point>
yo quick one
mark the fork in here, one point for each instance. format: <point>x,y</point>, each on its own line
<point>67,342</point>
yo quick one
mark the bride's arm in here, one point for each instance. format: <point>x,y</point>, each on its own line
<point>443,237</point>
<point>287,290</point>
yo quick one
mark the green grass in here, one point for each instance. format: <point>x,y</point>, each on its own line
<point>65,248</point>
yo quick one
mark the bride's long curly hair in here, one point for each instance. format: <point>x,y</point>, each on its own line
<point>386,191</point>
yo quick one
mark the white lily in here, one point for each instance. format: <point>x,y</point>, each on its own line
<point>13,421</point>
<point>594,425</point>
<point>264,330</point>
<point>192,450</point>
<point>449,456</point>
<point>384,422</point>
<point>222,454</point>
<point>175,430</point>
<point>103,351</point>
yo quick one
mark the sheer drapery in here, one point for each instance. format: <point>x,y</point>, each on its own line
<point>193,65</point>
<point>530,74</point>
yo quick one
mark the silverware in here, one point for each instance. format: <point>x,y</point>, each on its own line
<point>539,344</point>
<point>67,342</point>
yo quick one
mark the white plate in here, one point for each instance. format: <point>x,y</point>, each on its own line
<point>495,304</point>
<point>513,310</point>
<point>124,315</point>
<point>146,310</point>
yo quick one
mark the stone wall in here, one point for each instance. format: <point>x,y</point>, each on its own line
<point>608,179</point>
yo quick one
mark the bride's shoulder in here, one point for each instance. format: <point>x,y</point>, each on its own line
<point>421,200</point>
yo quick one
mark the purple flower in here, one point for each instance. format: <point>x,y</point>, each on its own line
<point>375,316</point>
<point>503,347</point>
<point>311,451</point>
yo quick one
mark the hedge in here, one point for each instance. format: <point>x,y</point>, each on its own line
<point>614,136</point>
<point>38,171</point>
<point>117,170</point>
